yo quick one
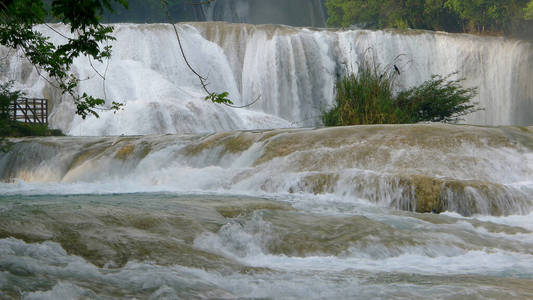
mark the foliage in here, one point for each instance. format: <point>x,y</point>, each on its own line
<point>221,98</point>
<point>440,99</point>
<point>19,129</point>
<point>528,11</point>
<point>364,98</point>
<point>475,16</point>
<point>368,97</point>
<point>486,15</point>
<point>17,21</point>
<point>17,30</point>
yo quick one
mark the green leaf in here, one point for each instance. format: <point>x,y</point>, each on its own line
<point>219,98</point>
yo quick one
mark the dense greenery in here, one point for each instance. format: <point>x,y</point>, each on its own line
<point>368,97</point>
<point>19,129</point>
<point>528,11</point>
<point>474,16</point>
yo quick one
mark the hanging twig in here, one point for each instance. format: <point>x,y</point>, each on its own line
<point>214,97</point>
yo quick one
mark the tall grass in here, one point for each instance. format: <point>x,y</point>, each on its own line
<point>368,97</point>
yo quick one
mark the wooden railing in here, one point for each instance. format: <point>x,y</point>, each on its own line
<point>29,110</point>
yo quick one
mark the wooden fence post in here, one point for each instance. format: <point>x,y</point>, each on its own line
<point>15,110</point>
<point>34,110</point>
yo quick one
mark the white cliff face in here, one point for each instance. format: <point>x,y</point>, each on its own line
<point>291,70</point>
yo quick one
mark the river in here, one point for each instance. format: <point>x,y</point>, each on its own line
<point>174,197</point>
<point>413,211</point>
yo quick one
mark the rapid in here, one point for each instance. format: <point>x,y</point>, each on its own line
<point>411,211</point>
<point>177,198</point>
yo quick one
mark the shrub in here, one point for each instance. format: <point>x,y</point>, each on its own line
<point>368,97</point>
<point>439,99</point>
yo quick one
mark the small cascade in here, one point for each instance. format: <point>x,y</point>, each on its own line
<point>423,168</point>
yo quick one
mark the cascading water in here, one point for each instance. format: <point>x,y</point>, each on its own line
<point>283,214</point>
<point>292,70</point>
<point>424,168</point>
<point>398,211</point>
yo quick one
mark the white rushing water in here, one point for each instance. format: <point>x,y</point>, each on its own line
<point>331,213</point>
<point>424,168</point>
<point>178,247</point>
<point>292,70</point>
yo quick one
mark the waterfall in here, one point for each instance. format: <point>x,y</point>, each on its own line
<point>424,168</point>
<point>292,71</point>
<point>176,197</point>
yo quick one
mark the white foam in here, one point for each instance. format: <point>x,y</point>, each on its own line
<point>310,278</point>
<point>248,243</point>
<point>292,70</point>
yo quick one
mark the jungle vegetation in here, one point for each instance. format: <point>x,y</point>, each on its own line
<point>468,16</point>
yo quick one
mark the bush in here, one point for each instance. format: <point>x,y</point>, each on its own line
<point>368,97</point>
<point>439,99</point>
